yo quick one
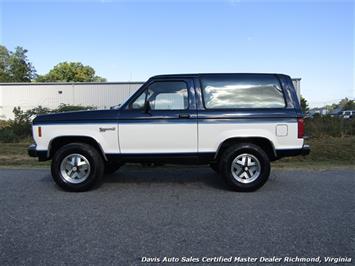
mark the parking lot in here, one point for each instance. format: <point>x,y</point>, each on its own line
<point>171,211</point>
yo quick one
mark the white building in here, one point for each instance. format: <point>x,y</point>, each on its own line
<point>51,95</point>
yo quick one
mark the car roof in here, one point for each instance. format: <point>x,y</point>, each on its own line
<point>197,75</point>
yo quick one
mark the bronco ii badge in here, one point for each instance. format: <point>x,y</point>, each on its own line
<point>104,129</point>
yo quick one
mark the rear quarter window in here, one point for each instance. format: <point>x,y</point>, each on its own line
<point>245,91</point>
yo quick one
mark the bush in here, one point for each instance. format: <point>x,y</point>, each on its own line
<point>69,108</point>
<point>4,124</point>
<point>7,135</point>
<point>323,126</point>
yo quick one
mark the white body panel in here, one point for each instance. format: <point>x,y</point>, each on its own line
<point>158,137</point>
<point>211,135</point>
<point>108,140</point>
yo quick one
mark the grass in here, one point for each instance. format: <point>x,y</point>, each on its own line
<point>327,152</point>
<point>15,155</point>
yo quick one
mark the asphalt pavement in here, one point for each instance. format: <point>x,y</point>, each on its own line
<point>174,212</point>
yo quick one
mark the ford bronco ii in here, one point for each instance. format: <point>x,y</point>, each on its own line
<point>236,123</point>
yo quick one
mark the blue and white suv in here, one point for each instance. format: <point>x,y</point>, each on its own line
<point>236,123</point>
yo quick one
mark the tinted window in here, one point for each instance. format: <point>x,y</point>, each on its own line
<point>244,91</point>
<point>165,95</point>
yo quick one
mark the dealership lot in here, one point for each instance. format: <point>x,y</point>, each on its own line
<point>173,211</point>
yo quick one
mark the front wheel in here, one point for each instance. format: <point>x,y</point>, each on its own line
<point>245,167</point>
<point>77,167</point>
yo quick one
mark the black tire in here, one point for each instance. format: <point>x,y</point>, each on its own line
<point>215,167</point>
<point>111,167</point>
<point>241,149</point>
<point>96,165</point>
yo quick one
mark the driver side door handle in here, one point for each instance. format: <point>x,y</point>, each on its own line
<point>184,116</point>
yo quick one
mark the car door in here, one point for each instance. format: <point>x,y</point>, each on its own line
<point>160,119</point>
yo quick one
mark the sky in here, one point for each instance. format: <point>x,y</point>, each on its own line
<point>133,40</point>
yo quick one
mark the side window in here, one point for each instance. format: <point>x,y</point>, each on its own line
<point>163,95</point>
<point>139,102</point>
<point>247,91</point>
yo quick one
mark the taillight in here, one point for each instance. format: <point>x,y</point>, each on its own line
<point>300,126</point>
<point>39,132</point>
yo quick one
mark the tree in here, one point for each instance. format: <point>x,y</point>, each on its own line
<point>70,72</point>
<point>304,105</point>
<point>4,64</point>
<point>344,104</point>
<point>349,105</point>
<point>15,66</point>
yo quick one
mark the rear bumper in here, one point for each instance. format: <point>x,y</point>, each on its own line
<point>305,150</point>
<point>33,152</point>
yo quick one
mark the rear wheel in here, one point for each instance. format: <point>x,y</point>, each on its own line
<point>77,167</point>
<point>245,167</point>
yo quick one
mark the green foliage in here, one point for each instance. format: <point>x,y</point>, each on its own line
<point>4,124</point>
<point>304,105</point>
<point>325,126</point>
<point>15,66</point>
<point>20,127</point>
<point>349,105</point>
<point>70,72</point>
<point>7,135</point>
<point>4,64</point>
<point>343,105</point>
<point>70,108</point>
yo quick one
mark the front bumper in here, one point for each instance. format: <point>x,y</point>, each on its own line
<point>33,152</point>
<point>305,150</point>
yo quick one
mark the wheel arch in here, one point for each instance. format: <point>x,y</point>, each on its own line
<point>263,142</point>
<point>59,141</point>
